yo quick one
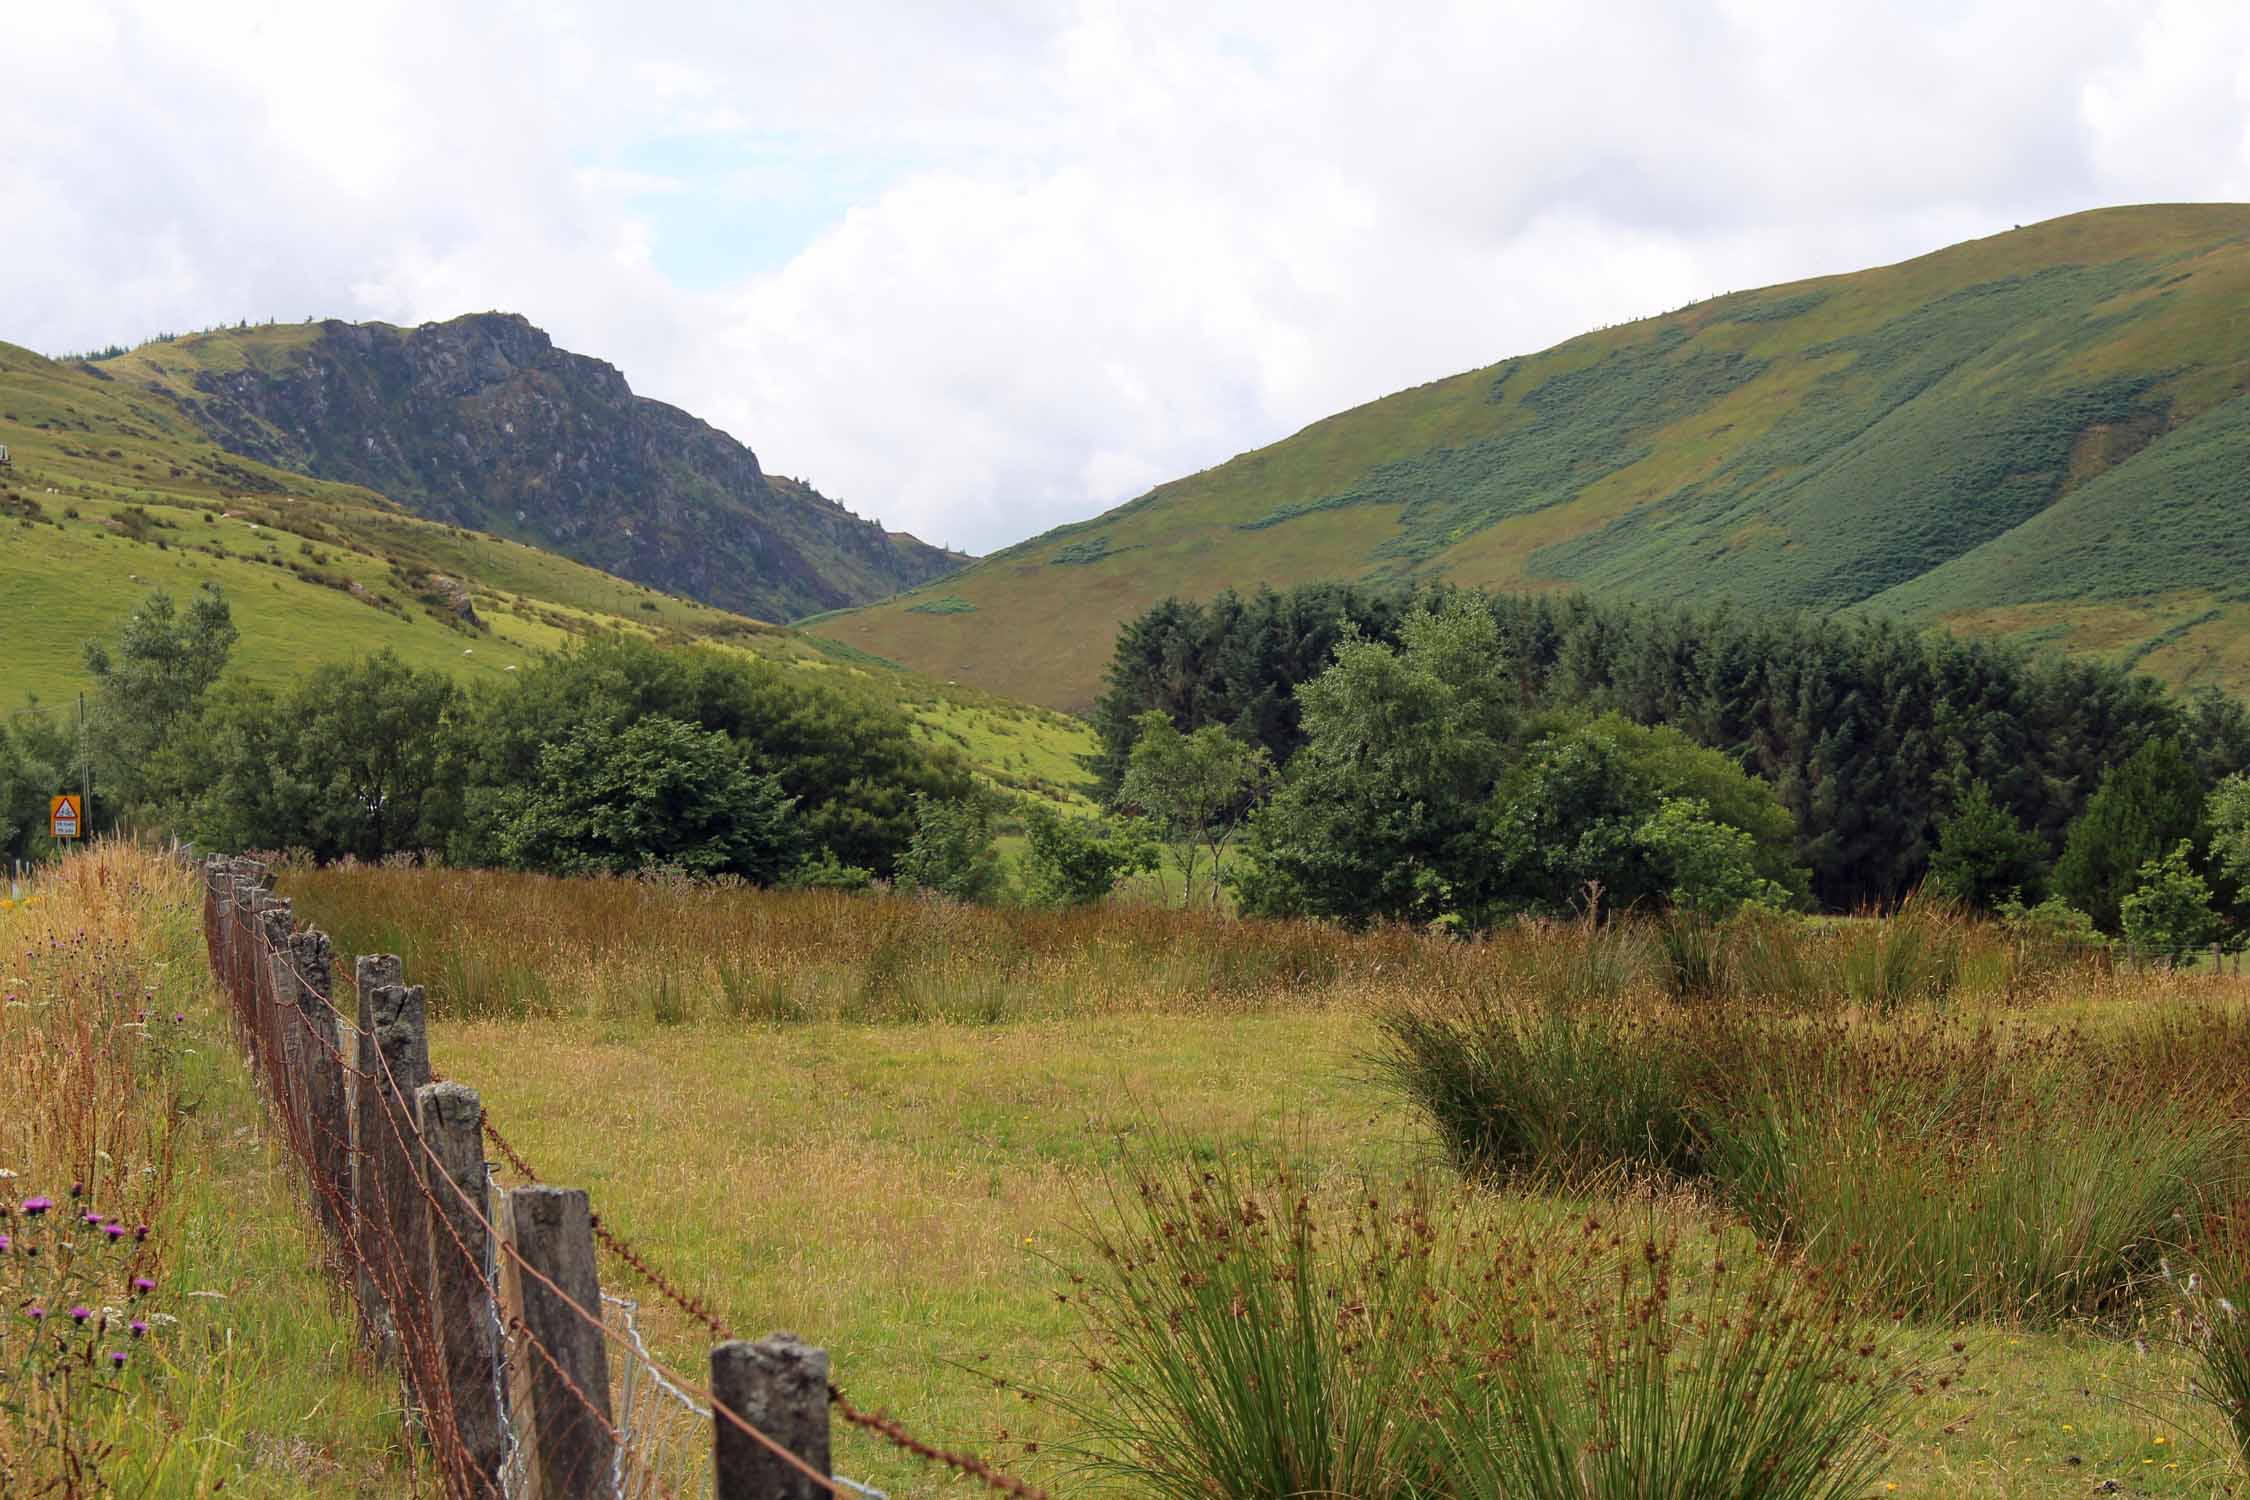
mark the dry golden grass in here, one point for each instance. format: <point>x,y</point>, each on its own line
<point>122,1080</point>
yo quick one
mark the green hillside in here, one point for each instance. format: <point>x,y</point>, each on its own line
<point>112,492</point>
<point>2040,434</point>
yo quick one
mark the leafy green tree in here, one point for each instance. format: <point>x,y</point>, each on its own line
<point>2228,812</point>
<point>163,664</point>
<point>1078,861</point>
<point>1984,856</point>
<point>1377,816</point>
<point>2168,911</point>
<point>952,852</point>
<point>37,758</point>
<point>854,766</point>
<point>658,793</point>
<point>1584,822</point>
<point>2144,808</point>
<point>1195,788</point>
<point>1705,865</point>
<point>355,759</point>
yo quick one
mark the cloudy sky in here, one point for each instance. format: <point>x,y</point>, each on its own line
<point>981,268</point>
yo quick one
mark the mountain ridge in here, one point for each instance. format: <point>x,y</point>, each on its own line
<point>483,421</point>
<point>1873,440</point>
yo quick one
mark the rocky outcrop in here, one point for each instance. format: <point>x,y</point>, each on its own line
<point>483,422</point>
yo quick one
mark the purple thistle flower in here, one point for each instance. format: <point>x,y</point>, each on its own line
<point>35,1312</point>
<point>5,1242</point>
<point>140,1232</point>
<point>179,1015</point>
<point>37,1206</point>
<point>80,1314</point>
<point>114,1231</point>
<point>142,1284</point>
<point>78,1189</point>
<point>117,1359</point>
<point>138,1326</point>
<point>92,1221</point>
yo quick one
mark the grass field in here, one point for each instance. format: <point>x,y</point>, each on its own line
<point>885,1124</point>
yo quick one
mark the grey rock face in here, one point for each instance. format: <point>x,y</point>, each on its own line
<point>483,422</point>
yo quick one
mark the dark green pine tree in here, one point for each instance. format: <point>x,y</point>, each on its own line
<point>1984,855</point>
<point>2142,810</point>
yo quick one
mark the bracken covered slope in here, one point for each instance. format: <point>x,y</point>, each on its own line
<point>482,422</point>
<point>2042,434</point>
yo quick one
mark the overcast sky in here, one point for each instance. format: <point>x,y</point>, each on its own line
<point>982,268</point>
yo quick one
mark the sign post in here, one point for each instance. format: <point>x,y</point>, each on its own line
<point>63,818</point>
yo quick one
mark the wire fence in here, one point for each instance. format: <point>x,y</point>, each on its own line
<point>523,1377</point>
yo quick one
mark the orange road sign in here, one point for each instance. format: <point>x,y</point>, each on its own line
<point>62,817</point>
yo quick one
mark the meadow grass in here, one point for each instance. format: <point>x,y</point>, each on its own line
<point>911,1161</point>
<point>123,1084</point>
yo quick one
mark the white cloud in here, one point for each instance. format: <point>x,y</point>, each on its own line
<point>1079,248</point>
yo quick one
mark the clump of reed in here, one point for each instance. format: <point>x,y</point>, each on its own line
<point>2212,1307</point>
<point>1250,1337</point>
<point>2023,1174</point>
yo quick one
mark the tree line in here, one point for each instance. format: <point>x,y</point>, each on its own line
<point>1442,750</point>
<point>607,757</point>
<point>1437,756</point>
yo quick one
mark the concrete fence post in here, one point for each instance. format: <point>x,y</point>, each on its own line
<point>561,1384</point>
<point>778,1385</point>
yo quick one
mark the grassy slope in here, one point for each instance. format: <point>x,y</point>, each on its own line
<point>319,571</point>
<point>1910,428</point>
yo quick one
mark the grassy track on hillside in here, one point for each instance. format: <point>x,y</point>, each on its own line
<point>246,1381</point>
<point>898,1174</point>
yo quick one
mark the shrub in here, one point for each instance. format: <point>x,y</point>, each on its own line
<point>951,852</point>
<point>1555,1092</point>
<point>1270,1342</point>
<point>2169,911</point>
<point>1078,861</point>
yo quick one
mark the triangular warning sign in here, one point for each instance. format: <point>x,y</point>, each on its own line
<point>62,817</point>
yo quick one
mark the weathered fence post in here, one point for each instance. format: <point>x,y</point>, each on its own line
<point>324,1087</point>
<point>272,921</point>
<point>375,976</point>
<point>562,1382</point>
<point>779,1386</point>
<point>451,1118</point>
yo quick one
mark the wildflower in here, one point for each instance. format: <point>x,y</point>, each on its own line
<point>138,1326</point>
<point>178,1016</point>
<point>140,1232</point>
<point>78,1189</point>
<point>117,1359</point>
<point>5,1242</point>
<point>92,1221</point>
<point>37,1206</point>
<point>80,1313</point>
<point>115,1232</point>
<point>142,1284</point>
<point>35,1312</point>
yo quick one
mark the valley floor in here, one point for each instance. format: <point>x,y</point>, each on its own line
<point>906,1195</point>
